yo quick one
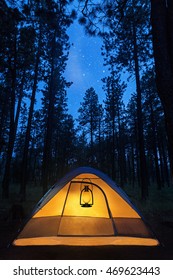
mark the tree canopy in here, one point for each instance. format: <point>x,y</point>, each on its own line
<point>130,141</point>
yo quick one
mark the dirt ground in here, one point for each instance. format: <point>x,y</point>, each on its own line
<point>9,229</point>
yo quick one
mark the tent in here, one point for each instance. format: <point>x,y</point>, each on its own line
<point>85,208</point>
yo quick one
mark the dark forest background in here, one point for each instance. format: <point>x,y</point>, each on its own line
<point>131,143</point>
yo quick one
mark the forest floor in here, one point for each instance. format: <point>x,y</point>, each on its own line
<point>158,211</point>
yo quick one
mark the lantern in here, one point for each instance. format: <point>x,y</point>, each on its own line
<point>86,197</point>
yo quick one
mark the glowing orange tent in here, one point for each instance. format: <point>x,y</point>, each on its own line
<point>85,208</point>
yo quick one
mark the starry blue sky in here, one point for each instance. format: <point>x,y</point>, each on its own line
<point>84,67</point>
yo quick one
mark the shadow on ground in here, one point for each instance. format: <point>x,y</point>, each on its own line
<point>85,253</point>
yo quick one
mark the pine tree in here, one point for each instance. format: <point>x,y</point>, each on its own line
<point>114,90</point>
<point>132,150</point>
<point>30,117</point>
<point>123,46</point>
<point>10,75</point>
<point>162,16</point>
<point>154,119</point>
<point>89,113</point>
<point>55,92</point>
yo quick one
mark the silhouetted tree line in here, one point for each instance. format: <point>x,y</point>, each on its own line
<point>137,36</point>
<point>39,144</point>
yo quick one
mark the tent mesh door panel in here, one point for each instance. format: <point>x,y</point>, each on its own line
<point>85,226</point>
<point>83,221</point>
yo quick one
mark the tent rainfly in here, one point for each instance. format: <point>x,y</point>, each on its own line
<point>85,208</point>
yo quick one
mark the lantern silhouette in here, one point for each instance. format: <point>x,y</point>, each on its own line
<point>86,197</point>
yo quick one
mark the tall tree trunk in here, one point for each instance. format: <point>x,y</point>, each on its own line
<point>113,137</point>
<point>6,178</point>
<point>13,129</point>
<point>3,118</point>
<point>48,137</point>
<point>154,144</point>
<point>23,180</point>
<point>142,157</point>
<point>133,163</point>
<point>20,100</point>
<point>119,148</point>
<point>91,153</point>
<point>162,26</point>
<point>164,162</point>
<point>99,155</point>
<point>49,128</point>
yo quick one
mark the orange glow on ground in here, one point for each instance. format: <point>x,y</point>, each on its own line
<point>86,241</point>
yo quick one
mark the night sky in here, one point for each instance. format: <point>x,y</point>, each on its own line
<point>85,68</point>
